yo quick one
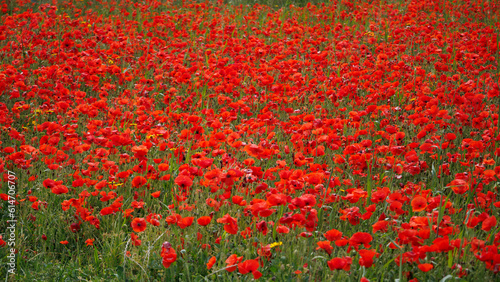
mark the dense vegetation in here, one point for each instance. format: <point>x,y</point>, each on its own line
<point>345,140</point>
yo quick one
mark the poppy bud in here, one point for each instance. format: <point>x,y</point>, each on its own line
<point>167,245</point>
<point>75,227</point>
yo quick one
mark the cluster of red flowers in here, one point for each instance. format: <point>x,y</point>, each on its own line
<point>278,123</point>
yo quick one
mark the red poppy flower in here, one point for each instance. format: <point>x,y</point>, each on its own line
<point>163,167</point>
<point>211,262</point>
<point>107,210</point>
<point>418,203</point>
<point>282,229</point>
<point>459,186</point>
<point>325,245</point>
<point>333,235</point>
<point>138,224</point>
<point>205,162</point>
<point>360,238</point>
<point>135,239</point>
<point>315,178</point>
<point>441,244</point>
<point>154,219</point>
<point>168,254</point>
<point>237,200</point>
<point>277,199</point>
<point>380,226</point>
<point>340,263</point>
<point>489,223</point>
<point>60,189</point>
<point>139,181</point>
<point>67,43</point>
<point>183,181</point>
<point>231,224</point>
<point>185,222</point>
<point>248,266</point>
<point>173,219</point>
<point>232,262</point>
<point>366,259</point>
<point>204,220</point>
<point>450,136</point>
<point>253,150</point>
<point>49,183</point>
<point>425,267</point>
<point>140,151</point>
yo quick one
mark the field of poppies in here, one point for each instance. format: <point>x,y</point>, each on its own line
<point>350,140</point>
